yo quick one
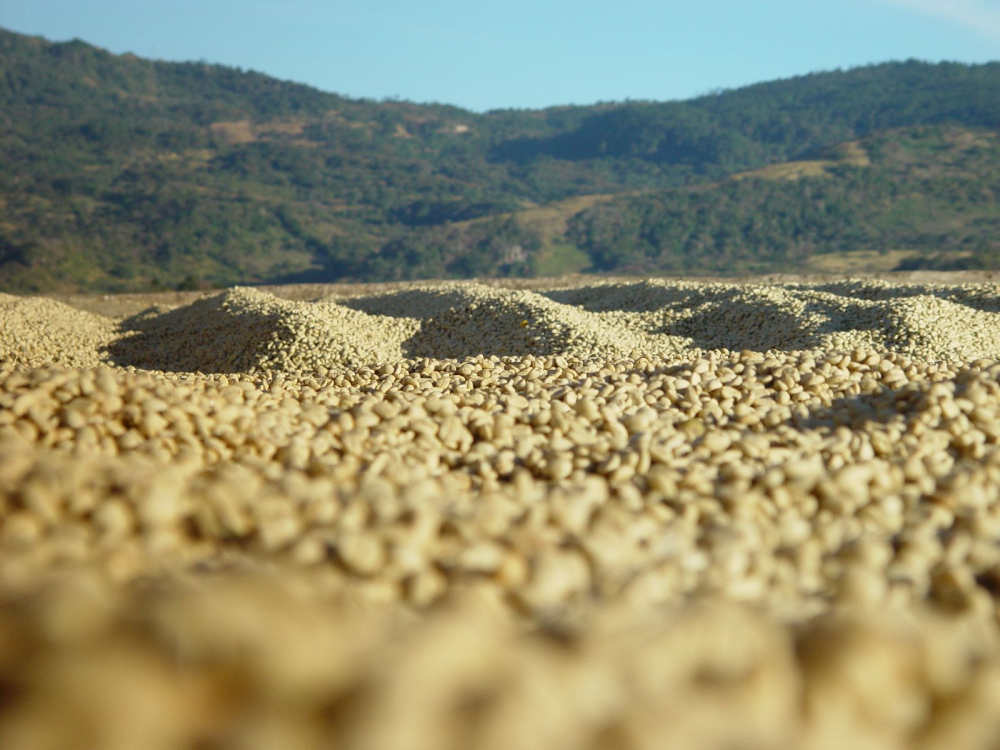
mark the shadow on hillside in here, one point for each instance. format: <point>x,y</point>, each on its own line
<point>411,303</point>
<point>854,411</point>
<point>640,296</point>
<point>645,296</point>
<point>755,324</point>
<point>982,297</point>
<point>199,337</point>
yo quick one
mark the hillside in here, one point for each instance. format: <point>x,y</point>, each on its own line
<point>121,174</point>
<point>920,197</point>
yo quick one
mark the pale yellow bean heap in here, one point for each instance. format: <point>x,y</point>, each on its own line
<point>621,516</point>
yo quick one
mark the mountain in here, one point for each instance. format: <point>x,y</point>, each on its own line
<point>919,197</point>
<point>120,173</point>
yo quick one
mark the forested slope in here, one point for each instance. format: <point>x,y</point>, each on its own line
<point>120,173</point>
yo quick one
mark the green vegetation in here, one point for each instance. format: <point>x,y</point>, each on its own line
<point>934,190</point>
<point>125,174</point>
<point>560,259</point>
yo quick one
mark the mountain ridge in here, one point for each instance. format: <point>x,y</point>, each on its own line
<point>122,174</point>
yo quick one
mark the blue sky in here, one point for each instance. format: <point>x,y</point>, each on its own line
<point>488,54</point>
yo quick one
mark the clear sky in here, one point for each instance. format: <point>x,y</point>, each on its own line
<point>490,54</point>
